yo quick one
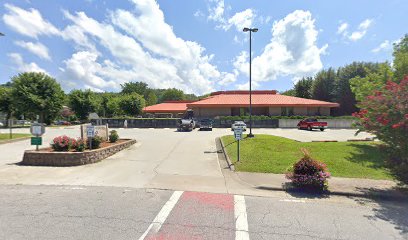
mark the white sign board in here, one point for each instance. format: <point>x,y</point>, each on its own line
<point>90,131</point>
<point>37,129</point>
<point>238,133</point>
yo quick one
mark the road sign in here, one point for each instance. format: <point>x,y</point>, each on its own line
<point>238,133</point>
<point>37,129</point>
<point>90,131</point>
<point>36,141</point>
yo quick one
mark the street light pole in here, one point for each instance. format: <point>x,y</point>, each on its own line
<point>250,30</point>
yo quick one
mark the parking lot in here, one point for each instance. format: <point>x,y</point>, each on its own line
<point>162,158</point>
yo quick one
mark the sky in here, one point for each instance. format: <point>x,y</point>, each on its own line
<point>197,46</point>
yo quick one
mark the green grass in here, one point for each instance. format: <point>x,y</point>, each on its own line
<point>6,136</point>
<point>271,154</point>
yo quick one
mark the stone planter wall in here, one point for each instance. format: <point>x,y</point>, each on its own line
<point>61,159</point>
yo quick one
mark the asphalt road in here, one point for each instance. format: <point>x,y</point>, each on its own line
<point>78,212</point>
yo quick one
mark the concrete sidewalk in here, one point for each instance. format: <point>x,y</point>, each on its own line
<point>351,187</point>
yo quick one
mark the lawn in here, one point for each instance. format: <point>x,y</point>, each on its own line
<point>271,154</point>
<point>6,136</point>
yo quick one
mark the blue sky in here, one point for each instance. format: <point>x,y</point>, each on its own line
<point>197,46</point>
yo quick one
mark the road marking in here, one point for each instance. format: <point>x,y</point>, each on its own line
<point>163,214</point>
<point>241,220</point>
<point>292,200</point>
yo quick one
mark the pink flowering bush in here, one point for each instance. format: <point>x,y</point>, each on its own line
<point>62,143</point>
<point>309,173</point>
<point>385,114</point>
<point>78,145</point>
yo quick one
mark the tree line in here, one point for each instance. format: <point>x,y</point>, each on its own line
<point>37,95</point>
<point>352,83</point>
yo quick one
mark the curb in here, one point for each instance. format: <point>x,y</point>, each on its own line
<point>229,162</point>
<point>396,196</point>
<point>15,140</point>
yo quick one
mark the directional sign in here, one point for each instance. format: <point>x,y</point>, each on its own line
<point>238,133</point>
<point>90,131</point>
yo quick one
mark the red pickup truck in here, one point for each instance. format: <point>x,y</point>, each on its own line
<point>311,123</point>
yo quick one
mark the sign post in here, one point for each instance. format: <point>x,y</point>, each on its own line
<point>10,123</point>
<point>90,133</point>
<point>238,136</point>
<point>37,129</point>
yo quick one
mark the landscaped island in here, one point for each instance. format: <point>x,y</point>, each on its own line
<point>272,154</point>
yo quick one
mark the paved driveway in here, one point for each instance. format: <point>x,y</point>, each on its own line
<point>162,158</point>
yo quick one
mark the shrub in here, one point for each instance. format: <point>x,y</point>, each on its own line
<point>62,143</point>
<point>309,173</point>
<point>96,142</point>
<point>113,136</point>
<point>385,114</point>
<point>79,145</point>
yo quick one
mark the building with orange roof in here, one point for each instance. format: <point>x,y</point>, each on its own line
<point>168,108</point>
<point>236,103</point>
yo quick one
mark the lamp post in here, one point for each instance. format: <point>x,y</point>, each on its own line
<point>250,30</point>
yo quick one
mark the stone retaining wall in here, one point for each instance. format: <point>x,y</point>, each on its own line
<point>60,159</point>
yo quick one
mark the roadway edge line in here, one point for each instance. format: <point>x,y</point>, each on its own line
<point>241,218</point>
<point>163,214</point>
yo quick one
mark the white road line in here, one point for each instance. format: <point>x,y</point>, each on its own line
<point>292,200</point>
<point>241,220</point>
<point>163,214</point>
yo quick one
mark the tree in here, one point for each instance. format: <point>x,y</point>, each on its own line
<point>83,103</point>
<point>401,58</point>
<point>132,104</point>
<point>113,107</point>
<point>342,90</point>
<point>151,98</point>
<point>172,94</point>
<point>290,92</point>
<point>385,114</point>
<point>6,105</point>
<point>323,85</point>
<point>374,80</point>
<point>37,93</point>
<point>303,88</point>
<point>134,87</point>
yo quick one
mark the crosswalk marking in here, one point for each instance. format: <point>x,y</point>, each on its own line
<point>241,219</point>
<point>163,214</point>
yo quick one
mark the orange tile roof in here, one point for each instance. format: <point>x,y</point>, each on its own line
<point>259,99</point>
<point>168,107</point>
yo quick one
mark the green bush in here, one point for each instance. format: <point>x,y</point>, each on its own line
<point>309,173</point>
<point>79,145</point>
<point>95,143</point>
<point>113,136</point>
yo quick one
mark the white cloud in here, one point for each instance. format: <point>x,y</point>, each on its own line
<point>216,12</point>
<point>37,48</point>
<point>291,52</point>
<point>361,30</point>
<point>28,22</point>
<point>18,60</point>
<point>386,45</point>
<point>240,20</point>
<point>342,29</point>
<point>157,57</point>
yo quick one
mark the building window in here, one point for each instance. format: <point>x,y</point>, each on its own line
<point>283,111</point>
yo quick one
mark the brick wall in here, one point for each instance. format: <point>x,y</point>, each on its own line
<point>61,159</point>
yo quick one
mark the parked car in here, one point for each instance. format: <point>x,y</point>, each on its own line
<point>238,124</point>
<point>186,125</point>
<point>206,124</point>
<point>311,123</point>
<point>62,122</point>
